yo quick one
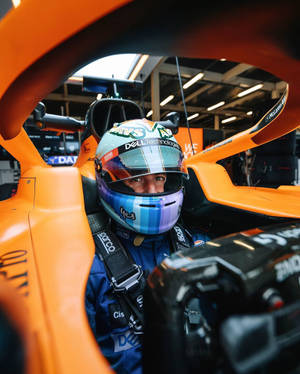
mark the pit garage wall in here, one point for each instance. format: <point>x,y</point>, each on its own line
<point>58,152</point>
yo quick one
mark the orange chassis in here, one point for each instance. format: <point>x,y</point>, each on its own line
<point>46,247</point>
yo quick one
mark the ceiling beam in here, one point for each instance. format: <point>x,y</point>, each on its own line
<point>238,69</point>
<point>196,93</point>
<point>243,99</point>
<point>214,77</point>
<point>151,64</point>
<point>178,107</point>
<point>195,109</point>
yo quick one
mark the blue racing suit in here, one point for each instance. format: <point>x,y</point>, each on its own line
<point>117,341</point>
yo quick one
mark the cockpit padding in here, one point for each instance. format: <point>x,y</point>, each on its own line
<point>95,213</point>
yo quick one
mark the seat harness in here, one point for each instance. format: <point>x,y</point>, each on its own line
<point>126,278</point>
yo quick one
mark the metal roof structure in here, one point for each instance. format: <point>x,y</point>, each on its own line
<point>221,83</point>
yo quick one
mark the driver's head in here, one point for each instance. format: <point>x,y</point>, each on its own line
<point>139,174</point>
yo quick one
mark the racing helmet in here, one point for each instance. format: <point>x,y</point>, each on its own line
<point>137,148</point>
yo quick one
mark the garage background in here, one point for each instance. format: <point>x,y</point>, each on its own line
<point>221,98</point>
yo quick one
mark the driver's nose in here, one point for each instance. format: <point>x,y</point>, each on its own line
<point>151,187</point>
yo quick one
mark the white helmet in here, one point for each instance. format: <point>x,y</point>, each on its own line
<point>137,148</point>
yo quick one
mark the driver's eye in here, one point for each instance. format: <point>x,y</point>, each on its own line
<point>136,180</point>
<point>160,178</point>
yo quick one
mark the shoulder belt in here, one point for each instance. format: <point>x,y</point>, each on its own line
<point>125,276</point>
<point>180,238</point>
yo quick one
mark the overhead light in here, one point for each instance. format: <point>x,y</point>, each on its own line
<point>216,105</point>
<point>249,113</point>
<point>193,80</point>
<point>74,78</point>
<point>251,89</point>
<point>99,96</point>
<point>222,59</point>
<point>230,119</point>
<point>193,116</point>
<point>167,100</point>
<point>16,3</point>
<point>149,113</point>
<point>138,67</point>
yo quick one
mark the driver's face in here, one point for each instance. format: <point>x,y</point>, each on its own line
<point>152,183</point>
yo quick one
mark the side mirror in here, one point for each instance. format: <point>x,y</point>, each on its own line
<point>55,122</point>
<point>39,112</point>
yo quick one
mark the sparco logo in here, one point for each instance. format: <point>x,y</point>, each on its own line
<point>179,234</point>
<point>107,243</point>
<point>126,214</point>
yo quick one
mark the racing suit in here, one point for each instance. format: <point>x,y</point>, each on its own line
<point>117,341</point>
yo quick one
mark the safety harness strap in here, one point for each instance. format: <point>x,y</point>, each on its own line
<point>180,238</point>
<point>120,268</point>
<point>125,276</point>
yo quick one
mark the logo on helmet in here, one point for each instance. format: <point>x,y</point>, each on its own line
<point>127,215</point>
<point>136,132</point>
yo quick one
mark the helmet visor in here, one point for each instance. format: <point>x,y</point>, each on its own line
<point>142,157</point>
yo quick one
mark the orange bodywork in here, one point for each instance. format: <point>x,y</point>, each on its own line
<point>46,247</point>
<point>183,139</point>
<point>218,188</point>
<point>85,160</point>
<point>44,228</point>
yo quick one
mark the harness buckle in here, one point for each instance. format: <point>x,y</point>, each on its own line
<point>135,325</point>
<point>128,283</point>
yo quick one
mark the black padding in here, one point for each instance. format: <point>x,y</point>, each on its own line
<point>90,195</point>
<point>98,221</point>
<point>97,217</point>
<point>194,200</point>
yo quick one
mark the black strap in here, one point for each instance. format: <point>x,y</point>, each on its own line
<point>180,238</point>
<point>125,276</point>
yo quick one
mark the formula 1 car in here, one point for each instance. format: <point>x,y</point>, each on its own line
<point>46,246</point>
<point>248,318</point>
